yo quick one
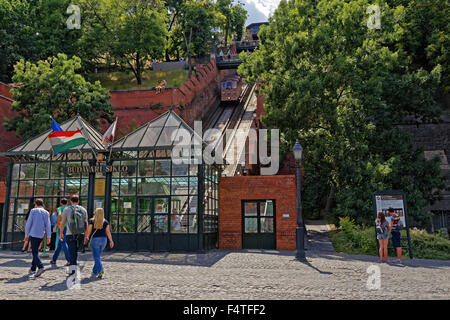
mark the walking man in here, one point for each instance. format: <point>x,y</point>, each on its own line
<point>37,224</point>
<point>77,221</point>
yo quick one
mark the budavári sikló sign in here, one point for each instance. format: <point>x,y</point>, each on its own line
<point>99,169</point>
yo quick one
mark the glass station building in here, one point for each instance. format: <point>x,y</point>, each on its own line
<point>152,203</point>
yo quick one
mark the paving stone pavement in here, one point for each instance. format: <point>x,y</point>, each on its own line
<point>219,274</point>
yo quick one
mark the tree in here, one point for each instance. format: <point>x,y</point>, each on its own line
<point>341,88</point>
<point>53,88</point>
<point>234,18</point>
<point>173,7</point>
<point>131,32</point>
<point>33,30</point>
<point>239,16</point>
<point>195,23</point>
<point>142,35</point>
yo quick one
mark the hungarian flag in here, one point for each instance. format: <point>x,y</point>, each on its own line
<point>109,135</point>
<point>65,140</point>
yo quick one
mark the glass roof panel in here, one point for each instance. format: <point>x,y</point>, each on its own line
<point>133,140</point>
<point>160,121</point>
<point>151,136</point>
<point>157,133</point>
<point>172,121</point>
<point>165,139</point>
<point>41,143</point>
<point>183,137</point>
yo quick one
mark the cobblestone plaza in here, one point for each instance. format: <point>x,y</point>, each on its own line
<point>218,274</point>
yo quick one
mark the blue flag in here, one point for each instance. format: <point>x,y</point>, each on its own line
<point>55,126</point>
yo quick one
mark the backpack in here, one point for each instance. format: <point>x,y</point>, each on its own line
<point>77,225</point>
<point>379,228</point>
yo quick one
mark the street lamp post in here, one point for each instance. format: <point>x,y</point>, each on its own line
<point>300,231</point>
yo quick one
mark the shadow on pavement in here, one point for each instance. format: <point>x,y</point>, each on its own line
<point>23,278</point>
<point>412,263</point>
<point>182,259</point>
<point>16,263</point>
<point>306,262</point>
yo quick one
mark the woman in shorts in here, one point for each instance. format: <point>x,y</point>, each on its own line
<point>382,236</point>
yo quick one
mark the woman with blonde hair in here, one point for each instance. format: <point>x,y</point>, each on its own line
<point>101,230</point>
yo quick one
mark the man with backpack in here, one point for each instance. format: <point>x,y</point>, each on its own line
<point>396,226</point>
<point>77,221</point>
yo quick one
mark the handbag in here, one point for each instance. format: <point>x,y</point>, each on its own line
<point>90,238</point>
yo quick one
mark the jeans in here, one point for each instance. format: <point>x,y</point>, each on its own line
<point>53,240</point>
<point>72,244</point>
<point>35,242</point>
<point>61,244</point>
<point>97,244</point>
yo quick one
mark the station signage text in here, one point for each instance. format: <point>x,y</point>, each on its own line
<point>100,169</point>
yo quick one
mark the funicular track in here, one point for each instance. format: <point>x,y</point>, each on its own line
<point>226,117</point>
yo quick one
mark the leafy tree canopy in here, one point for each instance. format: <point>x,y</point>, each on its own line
<point>53,87</point>
<point>340,89</point>
<point>130,32</point>
<point>33,30</point>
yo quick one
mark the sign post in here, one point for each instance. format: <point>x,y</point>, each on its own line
<point>383,200</point>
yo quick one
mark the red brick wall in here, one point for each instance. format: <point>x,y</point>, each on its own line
<point>191,100</point>
<point>5,90</point>
<point>234,189</point>
<point>8,138</point>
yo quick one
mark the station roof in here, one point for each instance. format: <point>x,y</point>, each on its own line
<point>41,144</point>
<point>157,134</point>
<point>256,24</point>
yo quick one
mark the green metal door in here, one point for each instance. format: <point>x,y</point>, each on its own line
<point>258,224</point>
<point>152,223</point>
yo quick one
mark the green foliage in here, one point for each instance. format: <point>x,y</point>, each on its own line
<point>33,30</point>
<point>130,32</point>
<point>195,26</point>
<point>53,88</point>
<point>233,18</point>
<point>429,246</point>
<point>340,89</point>
<point>127,81</point>
<point>354,239</point>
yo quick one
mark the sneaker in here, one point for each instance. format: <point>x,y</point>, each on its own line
<point>39,272</point>
<point>53,262</point>
<point>100,275</point>
<point>31,271</point>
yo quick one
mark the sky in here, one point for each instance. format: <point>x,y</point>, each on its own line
<point>259,10</point>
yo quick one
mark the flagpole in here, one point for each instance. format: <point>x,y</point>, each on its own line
<point>112,142</point>
<point>87,138</point>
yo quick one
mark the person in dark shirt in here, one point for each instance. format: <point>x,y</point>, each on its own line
<point>101,230</point>
<point>395,233</point>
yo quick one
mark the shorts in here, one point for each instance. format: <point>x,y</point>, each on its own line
<point>396,239</point>
<point>382,236</point>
